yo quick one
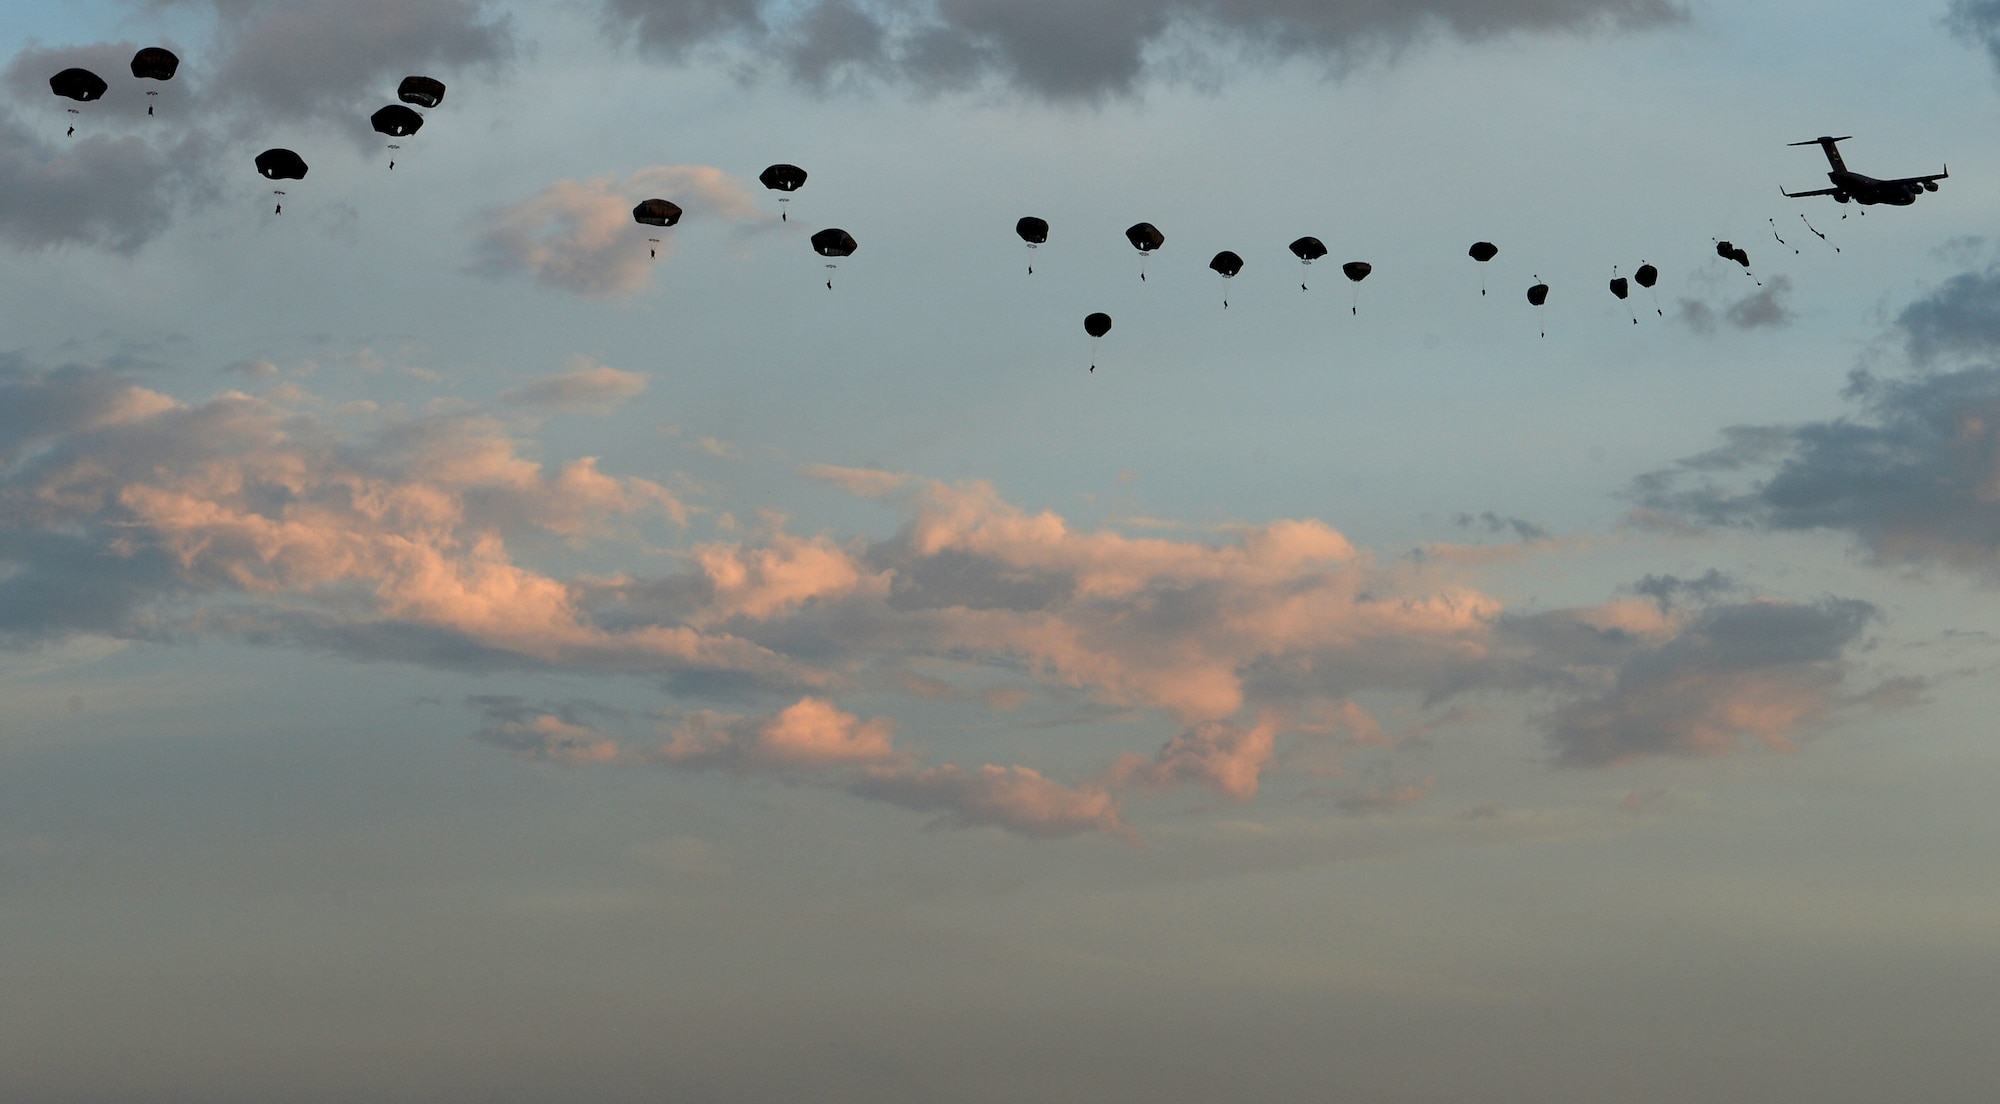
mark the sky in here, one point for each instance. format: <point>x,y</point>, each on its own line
<point>451,653</point>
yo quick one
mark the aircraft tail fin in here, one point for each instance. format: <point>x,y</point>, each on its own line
<point>1832,150</point>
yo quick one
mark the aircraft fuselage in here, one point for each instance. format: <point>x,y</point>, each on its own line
<point>1868,191</point>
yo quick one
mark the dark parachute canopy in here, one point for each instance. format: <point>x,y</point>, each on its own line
<point>1308,249</point>
<point>834,242</point>
<point>1619,287</point>
<point>1145,237</point>
<point>1646,276</point>
<point>1538,294</point>
<point>396,121</point>
<point>155,63</point>
<point>80,85</point>
<point>1034,231</point>
<point>1483,251</point>
<point>422,91</point>
<point>783,178</point>
<point>1227,263</point>
<point>1097,325</point>
<point>657,212</point>
<point>1730,252</point>
<point>281,164</point>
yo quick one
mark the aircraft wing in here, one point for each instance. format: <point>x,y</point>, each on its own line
<point>1802,195</point>
<point>1921,179</point>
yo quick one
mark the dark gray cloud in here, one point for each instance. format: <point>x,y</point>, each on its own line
<point>1753,670</point>
<point>341,59</point>
<point>1977,21</point>
<point>1672,590</point>
<point>124,177</point>
<point>1082,49</point>
<point>1911,478</point>
<point>1961,317</point>
<point>119,181</point>
<point>1764,308</point>
<point>561,733</point>
<point>1490,522</point>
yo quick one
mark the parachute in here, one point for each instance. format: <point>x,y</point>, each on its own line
<point>1034,231</point>
<point>1538,295</point>
<point>1483,251</point>
<point>656,212</point>
<point>783,178</point>
<point>422,91</point>
<point>1307,249</point>
<point>396,121</point>
<point>1227,264</point>
<point>1096,325</point>
<point>281,164</point>
<point>1736,253</point>
<point>833,243</point>
<point>154,63</point>
<point>1357,271</point>
<point>1145,237</point>
<point>1646,276</point>
<point>1621,289</point>
<point>80,85</point>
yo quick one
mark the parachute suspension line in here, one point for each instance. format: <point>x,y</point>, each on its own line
<point>783,214</point>
<point>654,249</point>
<point>1093,354</point>
<point>1355,307</point>
<point>1653,291</point>
<point>1815,230</point>
<point>1781,241</point>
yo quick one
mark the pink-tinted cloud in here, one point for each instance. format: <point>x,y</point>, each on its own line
<point>812,734</point>
<point>126,512</point>
<point>583,384</point>
<point>1018,799</point>
<point>1225,758</point>
<point>578,235</point>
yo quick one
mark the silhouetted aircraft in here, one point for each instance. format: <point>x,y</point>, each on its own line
<point>1865,190</point>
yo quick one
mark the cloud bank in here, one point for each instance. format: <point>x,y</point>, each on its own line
<point>127,513</point>
<point>1081,49</point>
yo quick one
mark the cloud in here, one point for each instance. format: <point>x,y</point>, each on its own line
<point>811,734</point>
<point>579,235</point>
<point>439,540</point>
<point>109,190</point>
<point>1018,799</point>
<point>339,60</point>
<point>556,736</point>
<point>1082,49</point>
<point>1961,317</point>
<point>1977,21</point>
<point>1384,798</point>
<point>815,741</point>
<point>583,384</point>
<point>1911,479</point>
<point>116,501</point>
<point>1763,309</point>
<point>1225,758</point>
<point>1756,669</point>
